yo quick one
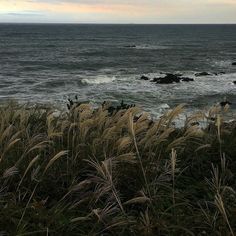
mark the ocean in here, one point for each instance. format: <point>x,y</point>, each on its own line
<point>49,63</point>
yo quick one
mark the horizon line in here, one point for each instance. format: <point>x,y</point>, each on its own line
<point>93,23</point>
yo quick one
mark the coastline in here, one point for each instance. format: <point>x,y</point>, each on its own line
<point>157,160</point>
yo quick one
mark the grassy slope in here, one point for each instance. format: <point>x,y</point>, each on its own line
<point>90,173</point>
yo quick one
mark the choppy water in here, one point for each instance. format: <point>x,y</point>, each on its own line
<point>49,63</point>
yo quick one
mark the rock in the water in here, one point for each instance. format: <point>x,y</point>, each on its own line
<point>143,77</point>
<point>202,74</point>
<point>234,82</point>
<point>171,78</point>
<point>168,79</point>
<point>186,79</point>
<point>234,64</point>
<point>130,46</point>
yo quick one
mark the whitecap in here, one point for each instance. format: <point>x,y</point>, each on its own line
<point>98,80</point>
<point>164,106</point>
<point>151,47</point>
<point>222,63</point>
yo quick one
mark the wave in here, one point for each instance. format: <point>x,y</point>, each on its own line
<point>99,80</point>
<point>223,63</point>
<point>147,47</point>
<point>151,47</point>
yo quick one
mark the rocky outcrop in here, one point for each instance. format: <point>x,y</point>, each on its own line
<point>186,79</point>
<point>234,82</point>
<point>143,77</point>
<point>168,79</point>
<point>234,64</point>
<point>171,78</point>
<point>130,46</point>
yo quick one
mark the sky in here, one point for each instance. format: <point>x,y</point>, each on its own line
<point>118,11</point>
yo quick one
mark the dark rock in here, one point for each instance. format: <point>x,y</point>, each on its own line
<point>143,77</point>
<point>168,79</point>
<point>130,46</point>
<point>186,79</point>
<point>234,82</point>
<point>234,64</point>
<point>202,74</point>
<point>171,78</point>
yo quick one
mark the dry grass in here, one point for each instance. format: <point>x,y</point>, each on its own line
<point>90,172</point>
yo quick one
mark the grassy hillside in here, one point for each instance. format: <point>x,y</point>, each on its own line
<point>95,172</point>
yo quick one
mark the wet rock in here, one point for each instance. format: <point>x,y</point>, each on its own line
<point>143,77</point>
<point>202,74</point>
<point>234,64</point>
<point>186,79</point>
<point>130,46</point>
<point>168,79</point>
<point>234,82</point>
<point>171,78</point>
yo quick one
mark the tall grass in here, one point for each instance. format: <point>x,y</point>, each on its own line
<point>92,172</point>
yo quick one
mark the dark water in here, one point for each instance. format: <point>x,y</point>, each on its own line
<point>49,63</point>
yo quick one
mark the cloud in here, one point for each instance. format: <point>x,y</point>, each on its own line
<point>23,14</point>
<point>26,13</point>
<point>121,11</point>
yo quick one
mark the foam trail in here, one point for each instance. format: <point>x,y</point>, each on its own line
<point>151,47</point>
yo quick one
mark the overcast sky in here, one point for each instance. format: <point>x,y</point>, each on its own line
<point>118,11</point>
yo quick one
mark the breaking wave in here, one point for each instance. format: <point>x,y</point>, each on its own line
<point>99,80</point>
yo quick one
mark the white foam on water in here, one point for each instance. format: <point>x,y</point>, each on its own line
<point>223,63</point>
<point>100,79</point>
<point>151,47</point>
<point>164,106</point>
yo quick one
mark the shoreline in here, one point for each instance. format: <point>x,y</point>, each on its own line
<point>153,97</point>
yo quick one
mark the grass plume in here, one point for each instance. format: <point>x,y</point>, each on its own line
<point>114,171</point>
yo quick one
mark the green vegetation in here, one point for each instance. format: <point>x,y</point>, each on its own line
<point>90,172</point>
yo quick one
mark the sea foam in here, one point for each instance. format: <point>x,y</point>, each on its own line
<point>99,80</point>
